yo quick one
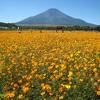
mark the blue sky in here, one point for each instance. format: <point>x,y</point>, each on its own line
<point>16,10</point>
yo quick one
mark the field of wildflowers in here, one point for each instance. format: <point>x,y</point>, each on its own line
<point>49,65</point>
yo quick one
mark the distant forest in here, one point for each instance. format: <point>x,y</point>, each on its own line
<point>7,26</point>
<point>12,26</point>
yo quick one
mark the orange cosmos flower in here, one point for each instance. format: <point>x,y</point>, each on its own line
<point>25,89</point>
<point>9,95</point>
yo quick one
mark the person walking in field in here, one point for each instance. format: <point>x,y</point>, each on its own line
<point>18,29</point>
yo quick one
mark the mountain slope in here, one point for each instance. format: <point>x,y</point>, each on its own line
<point>53,17</point>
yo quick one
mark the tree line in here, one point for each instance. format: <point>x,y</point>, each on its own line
<point>12,26</point>
<point>62,28</point>
<point>5,26</point>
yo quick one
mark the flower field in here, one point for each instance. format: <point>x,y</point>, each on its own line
<point>49,65</point>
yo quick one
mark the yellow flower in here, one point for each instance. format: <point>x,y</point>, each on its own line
<point>70,73</point>
<point>50,94</point>
<point>61,97</point>
<point>9,95</point>
<point>95,69</point>
<point>25,89</point>
<point>50,68</point>
<point>15,85</point>
<point>68,86</point>
<point>81,80</point>
<point>46,87</point>
<point>19,81</point>
<point>71,55</point>
<point>63,67</point>
<point>34,63</point>
<point>98,80</point>
<point>98,92</point>
<point>42,93</point>
<point>56,66</point>
<point>69,78</point>
<point>20,96</point>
